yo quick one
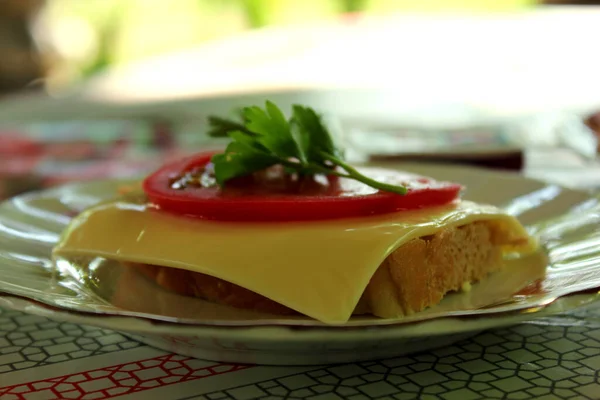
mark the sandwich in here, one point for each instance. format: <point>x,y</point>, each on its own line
<point>279,223</point>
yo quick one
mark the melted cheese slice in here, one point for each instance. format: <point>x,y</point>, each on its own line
<point>318,268</point>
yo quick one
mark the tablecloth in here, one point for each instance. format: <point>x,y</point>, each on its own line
<point>552,358</point>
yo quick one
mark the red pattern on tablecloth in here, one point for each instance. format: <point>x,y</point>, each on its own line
<point>118,380</point>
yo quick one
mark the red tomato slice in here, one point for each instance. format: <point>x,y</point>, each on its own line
<point>285,199</point>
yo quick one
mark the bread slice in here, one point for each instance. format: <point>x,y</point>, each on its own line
<point>415,276</point>
<point>421,272</point>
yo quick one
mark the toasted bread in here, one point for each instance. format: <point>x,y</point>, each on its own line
<point>415,276</point>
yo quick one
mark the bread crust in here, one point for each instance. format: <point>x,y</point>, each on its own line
<point>424,270</point>
<point>415,276</point>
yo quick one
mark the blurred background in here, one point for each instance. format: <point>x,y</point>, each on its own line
<point>64,41</point>
<point>98,88</point>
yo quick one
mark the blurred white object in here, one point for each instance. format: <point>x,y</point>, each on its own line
<point>420,69</point>
<point>544,131</point>
<point>559,130</point>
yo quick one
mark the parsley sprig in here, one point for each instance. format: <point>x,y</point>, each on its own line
<point>264,137</point>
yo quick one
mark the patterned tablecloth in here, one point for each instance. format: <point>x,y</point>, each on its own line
<point>553,358</point>
<point>557,358</point>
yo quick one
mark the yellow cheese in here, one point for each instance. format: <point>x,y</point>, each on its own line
<point>318,268</point>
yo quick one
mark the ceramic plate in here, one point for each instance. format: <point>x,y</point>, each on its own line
<point>564,276</point>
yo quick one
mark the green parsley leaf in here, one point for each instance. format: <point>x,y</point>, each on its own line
<point>250,141</point>
<point>272,129</point>
<point>265,138</point>
<point>315,138</point>
<point>240,159</point>
<point>220,127</point>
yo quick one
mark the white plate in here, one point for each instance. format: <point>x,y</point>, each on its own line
<point>110,297</point>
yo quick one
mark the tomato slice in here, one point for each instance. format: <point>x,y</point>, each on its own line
<point>284,198</point>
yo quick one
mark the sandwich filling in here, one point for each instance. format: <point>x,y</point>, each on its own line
<point>326,269</point>
<point>280,222</point>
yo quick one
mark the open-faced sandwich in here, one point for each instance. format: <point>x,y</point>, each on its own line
<point>279,223</point>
